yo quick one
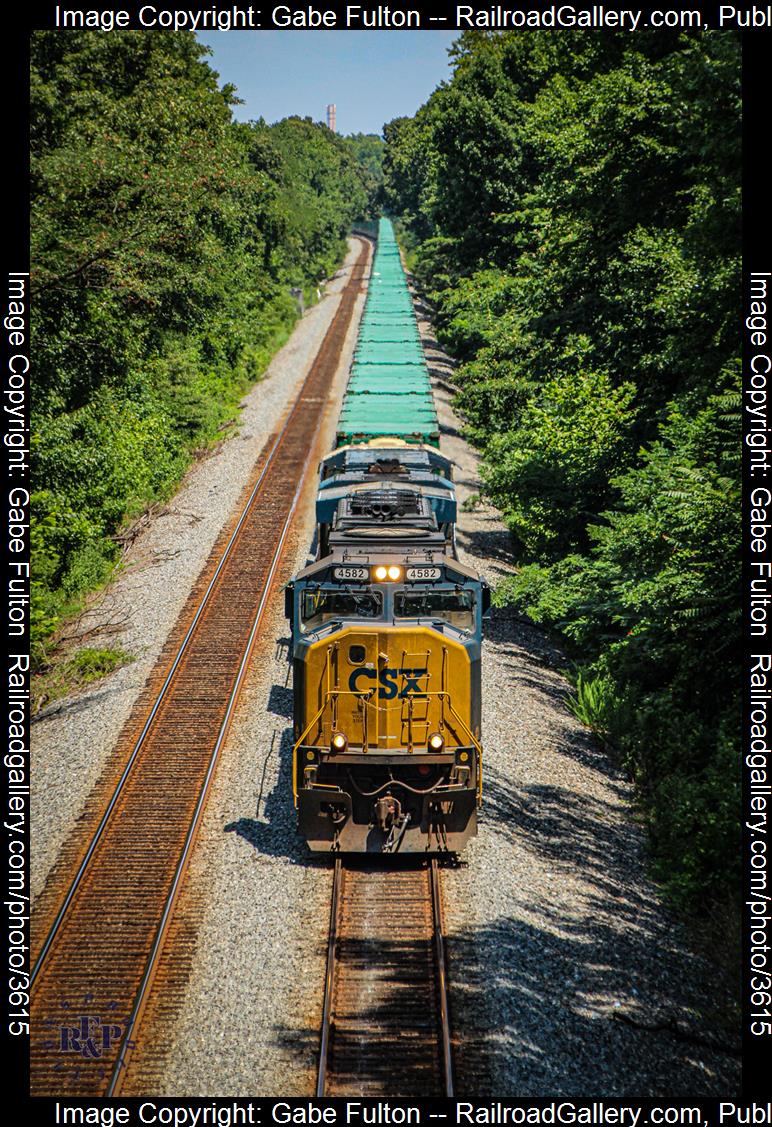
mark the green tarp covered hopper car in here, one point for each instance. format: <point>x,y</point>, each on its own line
<point>388,392</point>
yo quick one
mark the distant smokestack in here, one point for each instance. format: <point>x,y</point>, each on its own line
<point>331,117</point>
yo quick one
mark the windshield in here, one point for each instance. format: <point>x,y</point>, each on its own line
<point>318,606</point>
<point>455,607</point>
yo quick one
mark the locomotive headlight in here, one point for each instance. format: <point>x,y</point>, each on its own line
<point>380,572</point>
<point>436,742</point>
<point>395,573</point>
<point>338,742</point>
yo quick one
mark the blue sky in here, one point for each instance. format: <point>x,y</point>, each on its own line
<point>372,76</point>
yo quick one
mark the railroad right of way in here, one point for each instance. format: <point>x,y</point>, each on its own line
<point>103,944</point>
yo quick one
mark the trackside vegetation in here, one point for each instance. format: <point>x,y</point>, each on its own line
<point>166,238</point>
<point>571,205</point>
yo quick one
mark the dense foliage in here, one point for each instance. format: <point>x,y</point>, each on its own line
<point>571,204</point>
<point>165,241</point>
<point>368,149</point>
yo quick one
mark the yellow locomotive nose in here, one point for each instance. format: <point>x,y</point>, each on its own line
<point>396,689</point>
<point>398,757</point>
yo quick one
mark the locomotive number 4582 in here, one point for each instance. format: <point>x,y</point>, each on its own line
<point>351,573</point>
<point>413,573</point>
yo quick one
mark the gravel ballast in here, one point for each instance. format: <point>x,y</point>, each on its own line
<point>72,740</point>
<point>567,976</point>
<point>245,1018</point>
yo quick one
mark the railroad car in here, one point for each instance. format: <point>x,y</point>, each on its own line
<point>387,622</point>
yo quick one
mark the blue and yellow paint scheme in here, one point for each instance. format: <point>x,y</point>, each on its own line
<point>387,751</point>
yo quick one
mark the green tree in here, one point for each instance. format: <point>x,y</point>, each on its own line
<point>165,241</point>
<point>571,203</point>
<point>368,151</point>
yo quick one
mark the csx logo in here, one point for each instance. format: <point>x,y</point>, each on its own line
<point>388,687</point>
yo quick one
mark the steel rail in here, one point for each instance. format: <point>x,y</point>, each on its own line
<point>152,962</point>
<point>324,1044</point>
<point>158,702</point>
<point>442,979</point>
<point>308,394</point>
<point>335,977</point>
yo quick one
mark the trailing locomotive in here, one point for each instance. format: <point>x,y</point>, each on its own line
<point>387,622</point>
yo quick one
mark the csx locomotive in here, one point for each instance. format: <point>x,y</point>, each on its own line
<point>387,622</point>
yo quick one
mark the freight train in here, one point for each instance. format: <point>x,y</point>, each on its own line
<point>387,621</point>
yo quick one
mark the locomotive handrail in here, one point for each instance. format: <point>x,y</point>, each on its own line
<point>329,694</point>
<point>295,752</point>
<point>462,722</point>
<point>332,694</point>
<point>478,747</point>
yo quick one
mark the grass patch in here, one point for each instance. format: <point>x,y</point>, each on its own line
<point>593,704</point>
<point>90,664</point>
<point>74,671</point>
<point>472,503</point>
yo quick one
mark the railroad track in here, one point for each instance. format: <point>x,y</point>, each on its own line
<point>95,967</point>
<point>385,1023</point>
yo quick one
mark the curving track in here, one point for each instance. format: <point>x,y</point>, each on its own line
<point>95,967</point>
<point>385,1024</point>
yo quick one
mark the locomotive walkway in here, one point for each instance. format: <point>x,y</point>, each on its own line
<point>104,926</point>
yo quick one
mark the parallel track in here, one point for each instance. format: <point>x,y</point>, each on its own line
<point>96,965</point>
<point>385,1022</point>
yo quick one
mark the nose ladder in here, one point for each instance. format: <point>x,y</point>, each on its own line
<point>415,679</point>
<point>407,721</point>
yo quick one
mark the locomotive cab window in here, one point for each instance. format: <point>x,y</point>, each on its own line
<point>318,606</point>
<point>455,607</point>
